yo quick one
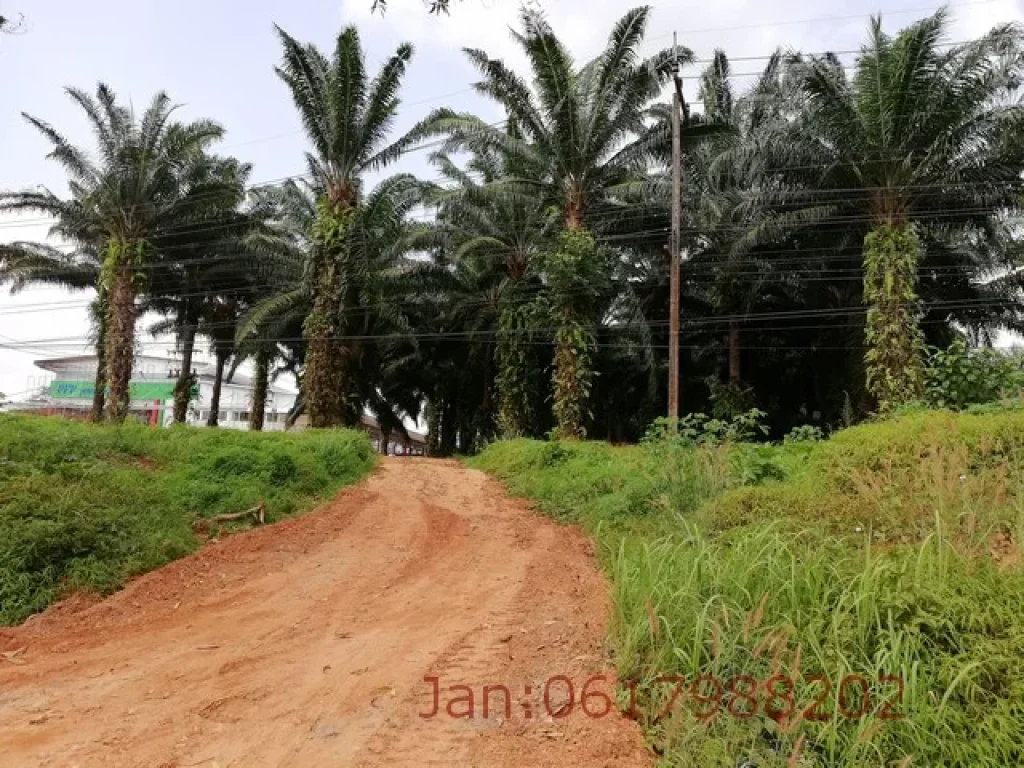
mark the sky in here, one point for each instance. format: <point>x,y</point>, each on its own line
<point>216,59</point>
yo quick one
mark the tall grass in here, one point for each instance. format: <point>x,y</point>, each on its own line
<point>766,602</point>
<point>872,554</point>
<point>87,507</point>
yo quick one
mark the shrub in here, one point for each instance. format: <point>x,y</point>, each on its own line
<point>959,376</point>
<point>698,428</point>
<point>805,433</point>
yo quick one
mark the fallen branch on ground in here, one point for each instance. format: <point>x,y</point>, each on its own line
<point>257,513</point>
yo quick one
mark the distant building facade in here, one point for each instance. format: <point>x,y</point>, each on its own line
<point>151,390</point>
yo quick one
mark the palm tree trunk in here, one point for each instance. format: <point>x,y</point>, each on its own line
<point>323,369</point>
<point>385,437</point>
<point>259,390</point>
<point>734,352</point>
<point>183,386</point>
<point>99,394</point>
<point>573,213</point>
<point>446,444</point>
<point>433,410</point>
<point>572,373</point>
<point>512,379</point>
<point>571,378</point>
<point>120,331</point>
<point>218,379</point>
<point>324,361</point>
<point>894,341</point>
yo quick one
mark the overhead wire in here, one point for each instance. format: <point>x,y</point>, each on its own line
<point>840,220</point>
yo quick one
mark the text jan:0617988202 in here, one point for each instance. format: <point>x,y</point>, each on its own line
<point>707,696</point>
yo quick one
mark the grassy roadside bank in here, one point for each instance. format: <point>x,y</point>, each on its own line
<point>885,557</point>
<point>87,507</point>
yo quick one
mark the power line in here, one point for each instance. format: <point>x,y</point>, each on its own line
<point>825,313</point>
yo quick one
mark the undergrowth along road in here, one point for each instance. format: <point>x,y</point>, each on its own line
<point>765,595</point>
<point>86,507</point>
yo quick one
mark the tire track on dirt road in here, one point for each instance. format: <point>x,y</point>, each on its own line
<point>307,643</point>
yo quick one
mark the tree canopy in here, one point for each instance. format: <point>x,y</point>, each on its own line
<point>840,219</point>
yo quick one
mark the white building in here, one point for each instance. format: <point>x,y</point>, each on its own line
<point>152,392</point>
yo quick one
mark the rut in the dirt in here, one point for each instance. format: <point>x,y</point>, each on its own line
<point>308,643</point>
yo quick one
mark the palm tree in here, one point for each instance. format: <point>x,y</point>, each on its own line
<point>263,353</point>
<point>374,314</point>
<point>493,244</point>
<point>469,294</point>
<point>199,261</point>
<point>732,274</point>
<point>347,119</point>
<point>27,263</point>
<point>218,323</point>
<point>920,146</point>
<point>570,143</point>
<point>130,191</point>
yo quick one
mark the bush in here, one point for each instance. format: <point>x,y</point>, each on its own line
<point>959,376</point>
<point>805,433</point>
<point>87,507</point>
<point>895,477</point>
<point>699,429</point>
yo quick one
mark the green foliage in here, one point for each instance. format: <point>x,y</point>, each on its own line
<point>571,478</point>
<point>729,399</point>
<point>805,433</point>
<point>87,507</point>
<point>766,601</point>
<point>699,429</point>
<point>959,376</point>
<point>118,254</point>
<point>870,553</point>
<point>893,335</point>
<point>574,275</point>
<point>512,380</point>
<point>894,478</point>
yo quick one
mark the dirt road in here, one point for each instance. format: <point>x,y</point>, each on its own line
<point>307,644</point>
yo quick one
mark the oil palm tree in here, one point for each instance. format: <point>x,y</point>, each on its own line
<point>199,261</point>
<point>571,144</point>
<point>918,147</point>
<point>218,323</point>
<point>494,243</point>
<point>731,273</point>
<point>130,190</point>
<point>373,315</point>
<point>713,206</point>
<point>347,118</point>
<point>478,370</point>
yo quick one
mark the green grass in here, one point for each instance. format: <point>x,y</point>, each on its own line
<point>867,554</point>
<point>88,507</point>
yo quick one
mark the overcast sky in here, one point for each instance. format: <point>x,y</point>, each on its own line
<point>216,59</point>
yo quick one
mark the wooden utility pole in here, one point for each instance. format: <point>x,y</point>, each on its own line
<point>675,245</point>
